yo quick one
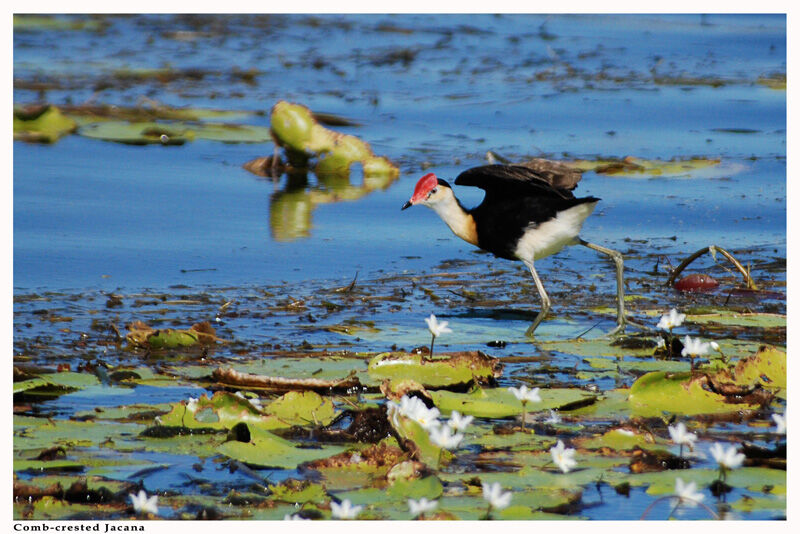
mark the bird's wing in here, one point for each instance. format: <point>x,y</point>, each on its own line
<point>507,180</point>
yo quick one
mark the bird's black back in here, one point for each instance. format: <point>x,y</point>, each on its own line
<point>517,197</point>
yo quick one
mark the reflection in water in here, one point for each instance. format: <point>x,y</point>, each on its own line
<point>291,207</point>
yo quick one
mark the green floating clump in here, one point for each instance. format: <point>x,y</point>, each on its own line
<point>458,368</point>
<point>41,124</point>
<point>295,128</point>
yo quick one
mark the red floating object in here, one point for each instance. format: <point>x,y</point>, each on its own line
<point>696,282</point>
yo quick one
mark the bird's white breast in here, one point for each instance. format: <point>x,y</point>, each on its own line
<point>542,240</point>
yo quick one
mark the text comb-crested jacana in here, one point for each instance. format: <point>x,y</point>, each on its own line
<point>528,213</point>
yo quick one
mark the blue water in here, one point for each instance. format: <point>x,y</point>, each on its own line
<point>92,214</point>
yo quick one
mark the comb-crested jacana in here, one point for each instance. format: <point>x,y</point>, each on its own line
<point>528,213</point>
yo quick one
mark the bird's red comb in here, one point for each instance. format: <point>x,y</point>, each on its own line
<point>425,184</point>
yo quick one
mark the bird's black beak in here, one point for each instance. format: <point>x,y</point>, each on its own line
<point>406,205</point>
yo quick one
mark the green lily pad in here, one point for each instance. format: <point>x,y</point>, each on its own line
<point>500,402</point>
<point>655,394</point>
<point>618,439</point>
<point>427,452</point>
<point>142,335</point>
<point>173,133</point>
<point>41,466</point>
<point>222,411</point>
<point>594,347</point>
<point>45,127</point>
<point>297,491</point>
<point>429,487</point>
<point>459,368</point>
<point>518,441</point>
<point>265,449</point>
<point>710,316</point>
<point>767,367</point>
<point>32,433</point>
<point>56,383</point>
<point>56,509</point>
<point>323,367</point>
<point>302,408</point>
<point>747,320</point>
<point>627,365</point>
<point>749,504</point>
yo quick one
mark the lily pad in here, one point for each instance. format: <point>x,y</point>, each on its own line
<point>767,367</point>
<point>142,335</point>
<point>298,491</point>
<point>459,368</point>
<point>416,488</point>
<point>265,449</point>
<point>222,411</point>
<point>62,382</point>
<point>45,125</point>
<point>655,394</point>
<point>173,133</point>
<point>302,408</point>
<point>500,402</point>
<point>618,439</point>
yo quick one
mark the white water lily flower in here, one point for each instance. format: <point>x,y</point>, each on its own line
<point>625,432</point>
<point>192,403</point>
<point>421,506</point>
<point>715,346</point>
<point>727,458</point>
<point>661,344</point>
<point>142,504</point>
<point>494,495</point>
<point>437,328</point>
<point>695,347</point>
<point>345,510</point>
<point>687,493</point>
<point>293,517</point>
<point>671,320</point>
<point>458,421</point>
<point>415,409</point>
<point>443,436</point>
<point>563,458</point>
<point>526,395</point>
<point>680,436</point>
<point>780,421</point>
<point>554,418</point>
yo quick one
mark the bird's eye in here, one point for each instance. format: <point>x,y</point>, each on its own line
<point>433,191</point>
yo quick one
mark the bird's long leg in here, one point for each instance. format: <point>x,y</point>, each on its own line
<point>617,257</point>
<point>543,296</point>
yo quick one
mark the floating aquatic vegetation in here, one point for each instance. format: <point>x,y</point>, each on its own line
<point>41,124</point>
<point>296,129</point>
<point>142,335</point>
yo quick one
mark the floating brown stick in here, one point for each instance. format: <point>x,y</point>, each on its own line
<point>232,377</point>
<point>745,272</point>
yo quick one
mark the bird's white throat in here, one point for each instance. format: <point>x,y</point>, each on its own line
<point>453,214</point>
